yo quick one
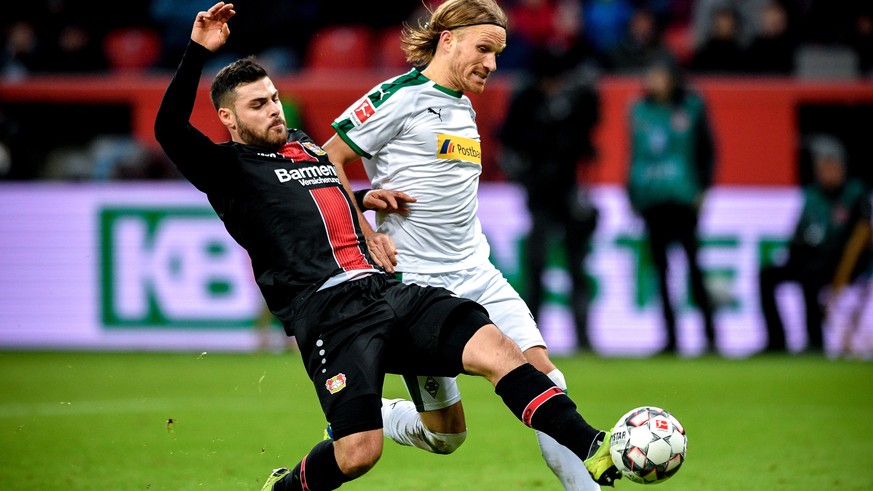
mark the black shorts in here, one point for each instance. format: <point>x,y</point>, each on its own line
<point>352,334</point>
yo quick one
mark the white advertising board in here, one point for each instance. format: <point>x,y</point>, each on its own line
<point>150,267</point>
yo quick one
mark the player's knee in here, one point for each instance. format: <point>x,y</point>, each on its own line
<point>359,466</point>
<point>445,443</point>
<point>356,463</point>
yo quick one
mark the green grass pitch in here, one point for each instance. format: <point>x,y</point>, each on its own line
<point>194,421</point>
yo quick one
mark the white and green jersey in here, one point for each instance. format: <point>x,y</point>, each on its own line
<point>421,138</point>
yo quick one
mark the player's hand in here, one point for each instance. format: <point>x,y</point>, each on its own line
<point>382,251</point>
<point>210,28</point>
<point>388,201</point>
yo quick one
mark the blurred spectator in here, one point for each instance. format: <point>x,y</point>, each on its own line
<point>532,25</point>
<point>722,51</point>
<point>826,22</point>
<point>533,22</point>
<point>50,36</point>
<point>276,31</point>
<point>173,20</point>
<point>641,44</point>
<point>606,23</point>
<point>671,167</point>
<point>539,25</point>
<point>772,49</point>
<point>21,52</point>
<point>747,16</point>
<point>861,41</point>
<point>546,135</point>
<point>830,245</point>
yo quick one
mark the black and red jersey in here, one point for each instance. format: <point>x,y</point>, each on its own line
<point>285,206</point>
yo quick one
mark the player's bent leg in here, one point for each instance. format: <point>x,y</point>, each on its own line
<point>566,465</point>
<point>491,354</point>
<point>330,463</point>
<point>439,431</point>
<point>538,356</point>
<point>534,398</point>
<point>449,419</point>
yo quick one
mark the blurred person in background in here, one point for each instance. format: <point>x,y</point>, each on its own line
<point>640,44</point>
<point>830,245</point>
<point>21,52</point>
<point>546,135</point>
<point>861,41</point>
<point>606,23</point>
<point>721,52</point>
<point>772,48</point>
<point>747,12</point>
<point>540,25</point>
<point>671,167</point>
<point>54,36</point>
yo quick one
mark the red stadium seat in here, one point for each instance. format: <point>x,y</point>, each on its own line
<point>132,48</point>
<point>678,40</point>
<point>340,47</point>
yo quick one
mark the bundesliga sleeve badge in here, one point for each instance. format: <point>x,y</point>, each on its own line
<point>363,112</point>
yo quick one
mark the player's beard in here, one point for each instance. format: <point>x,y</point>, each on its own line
<point>264,139</point>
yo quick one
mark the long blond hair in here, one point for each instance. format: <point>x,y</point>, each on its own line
<point>420,42</point>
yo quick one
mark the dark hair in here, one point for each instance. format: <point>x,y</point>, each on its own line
<point>243,71</point>
<point>668,63</point>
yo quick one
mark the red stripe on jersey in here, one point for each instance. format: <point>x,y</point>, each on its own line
<point>337,216</point>
<point>303,482</point>
<point>295,152</point>
<point>538,401</point>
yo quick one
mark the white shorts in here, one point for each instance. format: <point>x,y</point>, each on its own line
<point>486,285</point>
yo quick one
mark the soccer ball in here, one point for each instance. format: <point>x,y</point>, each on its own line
<point>648,445</point>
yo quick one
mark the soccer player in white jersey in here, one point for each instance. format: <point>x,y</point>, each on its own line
<point>420,146</point>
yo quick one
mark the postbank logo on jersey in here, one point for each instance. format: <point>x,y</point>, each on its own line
<point>459,148</point>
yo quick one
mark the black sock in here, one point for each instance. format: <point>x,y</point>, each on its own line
<point>540,404</point>
<point>318,471</point>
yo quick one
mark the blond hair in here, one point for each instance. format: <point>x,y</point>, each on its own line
<point>420,42</point>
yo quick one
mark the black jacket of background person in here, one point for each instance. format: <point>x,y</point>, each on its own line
<point>286,207</point>
<point>550,134</point>
<point>824,227</point>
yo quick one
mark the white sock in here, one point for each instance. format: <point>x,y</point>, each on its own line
<point>402,424</point>
<point>561,460</point>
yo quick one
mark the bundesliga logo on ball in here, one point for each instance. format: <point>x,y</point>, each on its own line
<point>648,445</point>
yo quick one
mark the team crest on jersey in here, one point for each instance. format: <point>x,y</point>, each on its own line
<point>363,112</point>
<point>313,148</point>
<point>336,383</point>
<point>459,148</point>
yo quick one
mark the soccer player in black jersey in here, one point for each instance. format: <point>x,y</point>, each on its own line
<point>279,197</point>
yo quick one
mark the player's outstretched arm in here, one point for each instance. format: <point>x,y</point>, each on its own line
<point>210,28</point>
<point>196,156</point>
